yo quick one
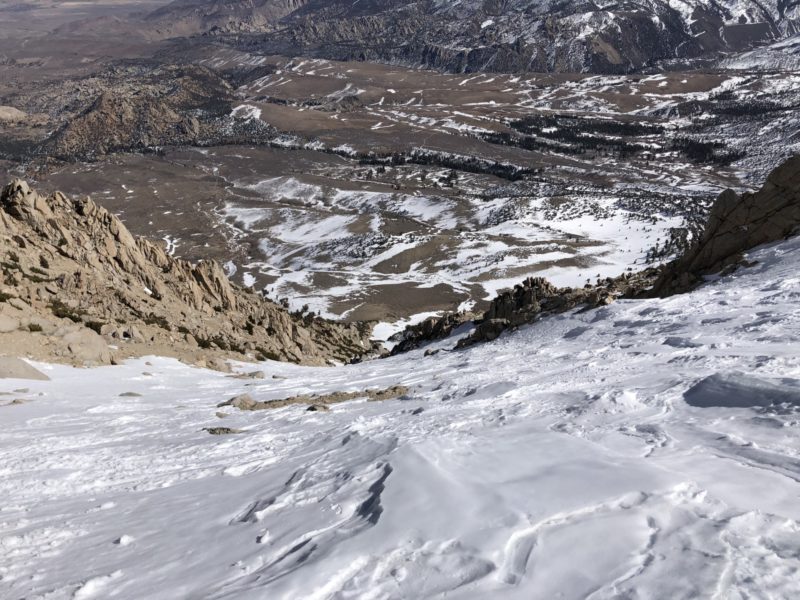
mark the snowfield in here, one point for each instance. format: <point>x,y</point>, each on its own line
<point>649,449</point>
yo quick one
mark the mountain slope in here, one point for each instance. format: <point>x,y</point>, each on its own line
<point>596,454</point>
<point>472,35</point>
<point>74,279</point>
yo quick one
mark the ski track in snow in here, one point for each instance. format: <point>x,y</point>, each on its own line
<point>562,460</point>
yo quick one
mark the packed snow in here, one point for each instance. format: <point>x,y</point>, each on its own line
<point>648,449</point>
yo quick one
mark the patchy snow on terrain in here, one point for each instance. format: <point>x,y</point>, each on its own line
<point>304,230</point>
<point>648,449</point>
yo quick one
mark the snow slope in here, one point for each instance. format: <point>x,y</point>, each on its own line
<point>632,451</point>
<point>783,55</point>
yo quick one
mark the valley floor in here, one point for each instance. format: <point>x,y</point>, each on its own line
<point>648,449</point>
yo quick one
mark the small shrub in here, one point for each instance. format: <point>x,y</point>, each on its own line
<point>62,311</point>
<point>153,319</point>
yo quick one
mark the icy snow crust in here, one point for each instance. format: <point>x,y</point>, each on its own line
<point>649,449</point>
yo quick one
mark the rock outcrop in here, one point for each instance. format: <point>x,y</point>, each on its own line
<point>536,297</point>
<point>526,303</point>
<point>316,401</point>
<point>116,122</point>
<point>75,280</point>
<point>431,329</point>
<point>138,107</point>
<point>737,224</point>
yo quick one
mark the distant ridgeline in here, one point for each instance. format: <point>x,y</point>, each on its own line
<point>467,36</point>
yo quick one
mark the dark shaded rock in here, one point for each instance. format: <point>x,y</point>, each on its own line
<point>477,35</point>
<point>429,330</point>
<point>737,224</point>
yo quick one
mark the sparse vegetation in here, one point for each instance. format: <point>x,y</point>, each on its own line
<point>63,311</point>
<point>157,320</point>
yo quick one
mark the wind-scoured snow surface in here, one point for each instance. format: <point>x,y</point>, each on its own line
<point>649,449</point>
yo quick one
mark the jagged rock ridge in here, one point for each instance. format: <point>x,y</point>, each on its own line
<point>74,279</point>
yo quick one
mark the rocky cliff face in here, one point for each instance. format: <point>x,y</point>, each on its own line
<point>737,224</point>
<point>75,280</point>
<point>485,35</point>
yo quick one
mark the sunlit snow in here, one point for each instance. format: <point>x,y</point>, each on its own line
<point>648,449</point>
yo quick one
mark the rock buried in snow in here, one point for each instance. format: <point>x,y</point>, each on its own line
<point>16,402</point>
<point>16,368</point>
<point>387,394</point>
<point>124,540</point>
<point>737,390</point>
<point>317,401</point>
<point>222,430</point>
<point>250,375</point>
<point>242,402</point>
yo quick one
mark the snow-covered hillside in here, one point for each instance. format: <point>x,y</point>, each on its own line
<point>648,449</point>
<point>474,35</point>
<point>783,55</point>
